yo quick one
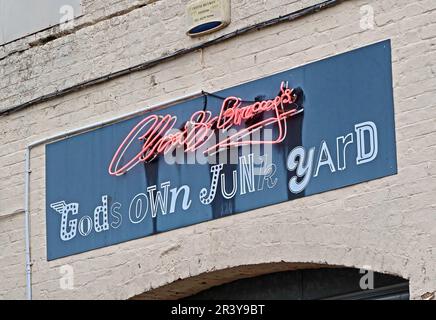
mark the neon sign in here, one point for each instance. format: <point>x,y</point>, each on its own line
<point>271,155</point>
<point>154,130</point>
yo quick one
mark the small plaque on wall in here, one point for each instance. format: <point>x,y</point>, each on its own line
<point>206,16</point>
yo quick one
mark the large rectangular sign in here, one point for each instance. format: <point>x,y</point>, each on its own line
<point>315,128</point>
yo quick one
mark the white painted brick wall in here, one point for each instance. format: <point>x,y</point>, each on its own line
<point>388,224</point>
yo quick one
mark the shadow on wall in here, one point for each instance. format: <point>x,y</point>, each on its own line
<point>285,281</point>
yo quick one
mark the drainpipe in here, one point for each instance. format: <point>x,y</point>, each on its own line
<point>27,225</point>
<point>68,134</point>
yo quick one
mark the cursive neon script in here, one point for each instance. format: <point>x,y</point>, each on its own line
<point>154,131</point>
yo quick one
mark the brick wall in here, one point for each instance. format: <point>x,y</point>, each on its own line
<point>388,224</point>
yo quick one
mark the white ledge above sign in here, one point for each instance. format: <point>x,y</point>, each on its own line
<point>206,16</point>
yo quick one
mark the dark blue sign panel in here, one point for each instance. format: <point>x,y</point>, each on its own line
<point>334,128</point>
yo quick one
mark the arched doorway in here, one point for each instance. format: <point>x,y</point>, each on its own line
<point>312,284</point>
<point>285,281</point>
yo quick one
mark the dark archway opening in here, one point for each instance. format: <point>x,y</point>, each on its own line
<point>311,284</point>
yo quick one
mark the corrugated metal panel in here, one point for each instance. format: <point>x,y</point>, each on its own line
<point>19,18</point>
